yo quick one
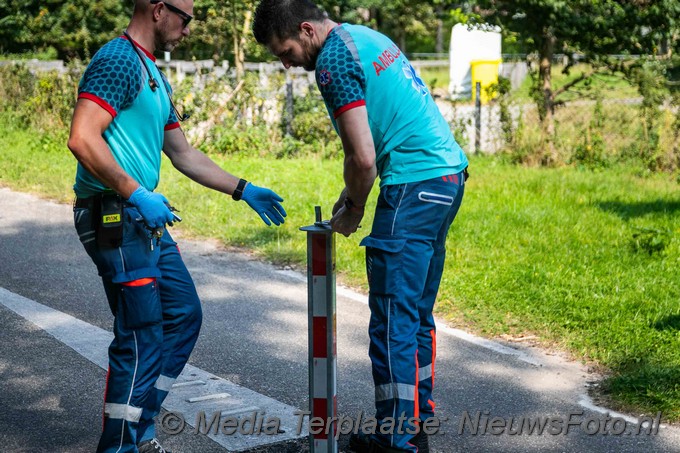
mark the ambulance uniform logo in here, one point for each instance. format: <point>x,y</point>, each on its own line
<point>324,77</point>
<point>416,82</point>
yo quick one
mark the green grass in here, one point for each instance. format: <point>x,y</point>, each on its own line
<point>552,253</point>
<point>587,261</point>
<point>435,77</point>
<point>31,163</point>
<point>607,86</point>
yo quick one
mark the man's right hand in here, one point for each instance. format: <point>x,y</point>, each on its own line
<point>152,207</point>
<point>346,221</point>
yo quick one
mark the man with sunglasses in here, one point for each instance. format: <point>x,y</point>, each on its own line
<point>122,121</point>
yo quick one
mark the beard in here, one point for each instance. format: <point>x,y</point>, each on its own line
<point>311,55</point>
<point>167,40</point>
<point>169,46</point>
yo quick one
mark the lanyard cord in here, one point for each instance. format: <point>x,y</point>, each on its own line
<point>153,83</point>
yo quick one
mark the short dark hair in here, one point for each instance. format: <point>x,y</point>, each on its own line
<point>282,18</point>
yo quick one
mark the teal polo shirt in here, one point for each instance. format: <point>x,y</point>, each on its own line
<point>118,82</point>
<point>358,66</point>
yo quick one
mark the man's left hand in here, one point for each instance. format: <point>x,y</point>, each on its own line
<point>265,202</point>
<point>346,221</point>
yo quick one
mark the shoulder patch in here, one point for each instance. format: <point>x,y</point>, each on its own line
<point>324,77</point>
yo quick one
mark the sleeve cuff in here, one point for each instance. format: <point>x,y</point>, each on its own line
<point>350,106</point>
<point>169,127</point>
<point>100,102</point>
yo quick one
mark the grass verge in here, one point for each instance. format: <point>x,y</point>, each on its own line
<point>585,260</point>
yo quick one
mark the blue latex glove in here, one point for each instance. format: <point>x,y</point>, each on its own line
<point>265,202</point>
<point>152,207</point>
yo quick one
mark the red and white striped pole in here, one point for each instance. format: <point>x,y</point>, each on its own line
<point>322,334</point>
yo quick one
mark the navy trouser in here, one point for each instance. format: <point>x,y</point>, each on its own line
<point>157,318</point>
<point>405,255</point>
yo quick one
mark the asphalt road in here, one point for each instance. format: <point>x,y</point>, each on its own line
<point>254,335</point>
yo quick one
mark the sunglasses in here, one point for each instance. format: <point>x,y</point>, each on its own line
<point>187,18</point>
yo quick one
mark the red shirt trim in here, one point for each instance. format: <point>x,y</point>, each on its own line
<point>100,102</point>
<point>169,127</point>
<point>350,106</point>
<point>148,54</point>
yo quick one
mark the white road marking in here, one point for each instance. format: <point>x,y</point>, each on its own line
<point>209,394</point>
<point>215,396</point>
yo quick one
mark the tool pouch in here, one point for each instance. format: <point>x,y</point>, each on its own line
<point>109,227</point>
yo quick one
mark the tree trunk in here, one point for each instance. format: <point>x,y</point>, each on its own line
<point>547,109</point>
<point>237,57</point>
<point>235,42</point>
<point>375,19</point>
<point>439,43</point>
<point>240,57</point>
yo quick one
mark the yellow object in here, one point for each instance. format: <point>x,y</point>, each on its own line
<point>486,73</point>
<point>113,218</point>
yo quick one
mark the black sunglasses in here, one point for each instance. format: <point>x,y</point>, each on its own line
<point>186,16</point>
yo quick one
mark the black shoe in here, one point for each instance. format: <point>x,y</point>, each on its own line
<point>151,446</point>
<point>360,442</point>
<point>421,442</point>
<point>375,447</point>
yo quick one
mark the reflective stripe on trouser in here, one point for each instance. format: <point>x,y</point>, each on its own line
<point>157,321</point>
<point>405,255</point>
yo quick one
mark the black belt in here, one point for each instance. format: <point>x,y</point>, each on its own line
<point>94,200</point>
<point>83,202</point>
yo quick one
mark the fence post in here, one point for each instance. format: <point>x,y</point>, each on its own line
<point>321,310</point>
<point>478,117</point>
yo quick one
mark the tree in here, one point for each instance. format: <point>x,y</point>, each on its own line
<point>447,14</point>
<point>77,28</point>
<point>74,28</point>
<point>407,22</point>
<point>593,28</point>
<point>223,32</point>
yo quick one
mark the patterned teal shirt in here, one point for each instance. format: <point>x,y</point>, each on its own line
<point>413,142</point>
<point>118,82</point>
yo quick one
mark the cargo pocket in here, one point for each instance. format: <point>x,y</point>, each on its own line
<point>141,304</point>
<point>384,266</point>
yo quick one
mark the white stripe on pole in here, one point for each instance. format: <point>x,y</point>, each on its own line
<point>319,295</point>
<point>320,377</point>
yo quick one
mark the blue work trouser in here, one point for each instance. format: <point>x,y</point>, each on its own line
<point>157,318</point>
<point>405,255</point>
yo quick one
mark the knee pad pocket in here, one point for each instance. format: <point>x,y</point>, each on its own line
<point>141,304</point>
<point>383,263</point>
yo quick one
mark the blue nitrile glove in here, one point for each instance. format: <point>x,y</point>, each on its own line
<point>265,202</point>
<point>152,206</point>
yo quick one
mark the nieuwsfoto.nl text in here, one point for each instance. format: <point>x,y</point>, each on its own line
<point>478,423</point>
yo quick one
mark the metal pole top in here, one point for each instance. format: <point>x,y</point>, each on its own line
<point>320,226</point>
